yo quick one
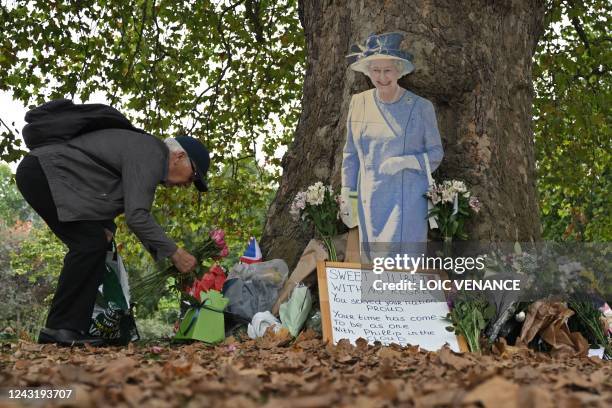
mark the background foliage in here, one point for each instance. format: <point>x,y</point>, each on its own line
<point>572,121</point>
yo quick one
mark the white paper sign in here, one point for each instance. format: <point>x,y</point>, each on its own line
<point>416,322</point>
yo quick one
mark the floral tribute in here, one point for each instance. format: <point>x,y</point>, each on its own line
<point>213,248</point>
<point>452,205</point>
<point>319,206</point>
<point>213,279</point>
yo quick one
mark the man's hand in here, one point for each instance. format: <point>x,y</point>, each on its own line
<point>109,235</point>
<point>183,260</point>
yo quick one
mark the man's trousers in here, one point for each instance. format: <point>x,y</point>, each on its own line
<point>84,264</point>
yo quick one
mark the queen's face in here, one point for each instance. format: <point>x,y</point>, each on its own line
<point>384,74</point>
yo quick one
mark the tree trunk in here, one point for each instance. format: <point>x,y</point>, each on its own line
<point>473,61</point>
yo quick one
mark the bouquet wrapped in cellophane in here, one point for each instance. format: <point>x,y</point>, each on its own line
<point>213,247</point>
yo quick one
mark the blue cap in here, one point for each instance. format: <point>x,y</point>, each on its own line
<point>198,153</point>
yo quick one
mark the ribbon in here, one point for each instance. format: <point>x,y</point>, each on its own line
<point>195,315</point>
<point>430,181</point>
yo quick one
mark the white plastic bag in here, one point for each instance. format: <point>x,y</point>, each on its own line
<point>261,321</point>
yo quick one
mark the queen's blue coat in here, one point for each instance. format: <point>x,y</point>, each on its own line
<point>392,208</point>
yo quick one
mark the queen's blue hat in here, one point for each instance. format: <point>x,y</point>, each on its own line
<point>382,46</point>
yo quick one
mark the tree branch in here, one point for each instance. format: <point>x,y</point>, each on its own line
<point>142,26</point>
<point>86,56</point>
<point>252,12</point>
<point>581,33</point>
<point>577,24</point>
<point>9,129</point>
<point>215,85</point>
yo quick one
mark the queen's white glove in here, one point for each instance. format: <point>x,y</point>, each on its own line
<point>348,207</point>
<point>396,164</point>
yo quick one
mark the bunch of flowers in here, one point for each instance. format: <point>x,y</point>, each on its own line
<point>319,205</point>
<point>215,247</point>
<point>593,321</point>
<point>470,314</point>
<point>213,279</point>
<point>212,247</point>
<point>453,203</point>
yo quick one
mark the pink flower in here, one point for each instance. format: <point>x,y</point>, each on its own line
<point>224,252</point>
<point>474,204</point>
<point>217,235</point>
<point>156,349</point>
<point>298,205</point>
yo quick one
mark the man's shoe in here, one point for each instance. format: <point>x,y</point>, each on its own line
<point>67,337</point>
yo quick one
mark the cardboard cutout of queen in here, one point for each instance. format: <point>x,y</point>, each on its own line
<point>391,135</point>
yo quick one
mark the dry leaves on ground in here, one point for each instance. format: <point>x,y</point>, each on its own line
<point>277,372</point>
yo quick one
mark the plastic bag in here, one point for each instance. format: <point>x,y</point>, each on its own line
<point>274,271</point>
<point>294,312</point>
<point>112,317</point>
<point>253,288</point>
<point>261,322</point>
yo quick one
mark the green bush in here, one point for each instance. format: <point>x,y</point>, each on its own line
<point>25,293</point>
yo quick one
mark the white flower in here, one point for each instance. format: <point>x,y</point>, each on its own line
<point>448,196</point>
<point>520,317</point>
<point>459,186</point>
<point>433,195</point>
<point>315,194</point>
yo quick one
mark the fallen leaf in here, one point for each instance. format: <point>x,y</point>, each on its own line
<point>117,370</point>
<point>132,394</point>
<point>387,352</point>
<point>496,392</point>
<point>313,401</point>
<point>21,364</point>
<point>447,357</point>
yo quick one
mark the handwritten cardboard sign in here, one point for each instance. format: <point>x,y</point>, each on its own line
<point>346,315</point>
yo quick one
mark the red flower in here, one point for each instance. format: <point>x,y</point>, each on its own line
<point>194,290</point>
<point>216,269</point>
<point>207,282</point>
<point>213,279</point>
<point>219,281</point>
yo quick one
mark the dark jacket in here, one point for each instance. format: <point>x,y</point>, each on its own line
<point>101,174</point>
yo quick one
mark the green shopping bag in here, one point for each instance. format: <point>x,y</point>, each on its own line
<point>206,321</point>
<point>112,317</point>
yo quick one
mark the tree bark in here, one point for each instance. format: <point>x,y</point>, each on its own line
<point>473,60</point>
